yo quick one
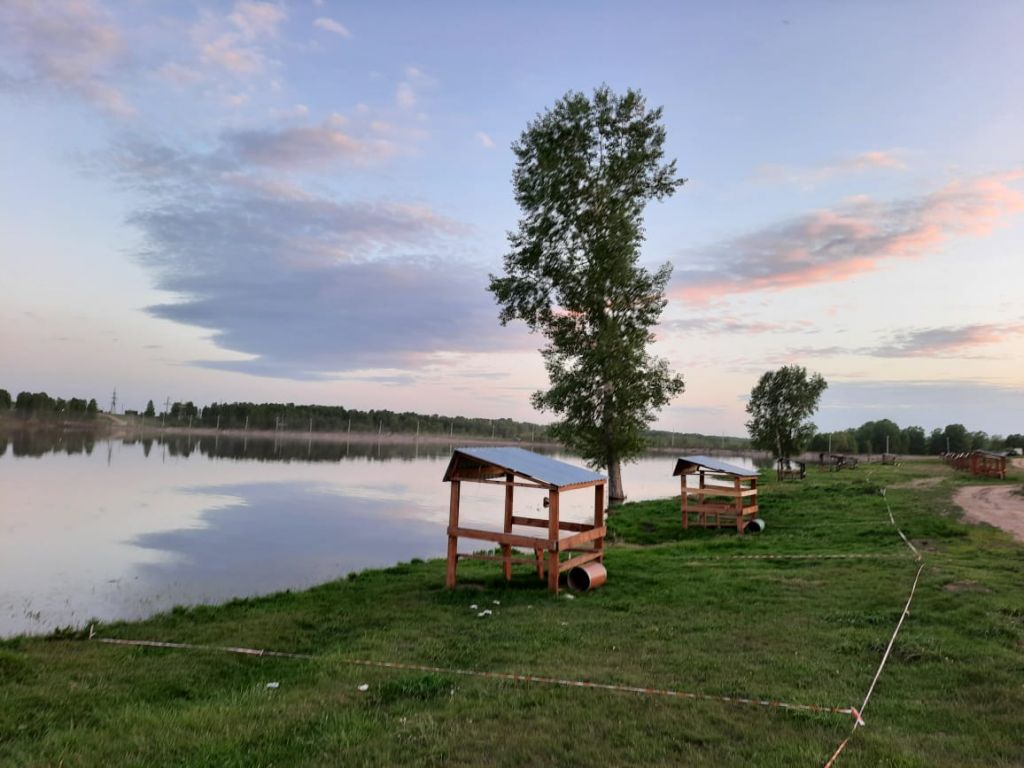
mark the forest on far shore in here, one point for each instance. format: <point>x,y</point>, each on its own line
<point>869,437</point>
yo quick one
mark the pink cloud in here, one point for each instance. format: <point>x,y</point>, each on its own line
<point>74,46</point>
<point>871,160</point>
<point>831,246</point>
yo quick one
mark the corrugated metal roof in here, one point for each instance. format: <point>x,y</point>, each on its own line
<point>715,465</point>
<point>543,469</point>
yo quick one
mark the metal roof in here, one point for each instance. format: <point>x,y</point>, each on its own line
<point>543,469</point>
<point>715,465</point>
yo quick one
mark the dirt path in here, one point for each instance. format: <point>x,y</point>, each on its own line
<point>999,505</point>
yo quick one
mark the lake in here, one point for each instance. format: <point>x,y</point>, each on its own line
<point>124,528</point>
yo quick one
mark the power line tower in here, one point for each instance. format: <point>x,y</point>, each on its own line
<point>113,401</point>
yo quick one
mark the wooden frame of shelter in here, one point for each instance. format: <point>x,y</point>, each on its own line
<point>979,463</point>
<point>732,496</point>
<point>512,468</point>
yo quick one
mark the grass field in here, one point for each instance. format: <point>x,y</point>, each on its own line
<point>685,611</point>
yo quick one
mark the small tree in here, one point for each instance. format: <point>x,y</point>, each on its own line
<point>5,400</point>
<point>779,405</point>
<point>150,409</point>
<point>584,172</point>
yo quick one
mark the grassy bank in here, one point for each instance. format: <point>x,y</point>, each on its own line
<point>680,611</point>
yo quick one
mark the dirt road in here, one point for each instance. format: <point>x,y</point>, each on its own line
<point>999,505</point>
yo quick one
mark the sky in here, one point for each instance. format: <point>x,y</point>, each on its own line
<point>302,201</point>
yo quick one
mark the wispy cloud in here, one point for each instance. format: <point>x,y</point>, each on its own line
<point>236,43</point>
<point>836,245</point>
<point>947,342</point>
<point>723,325</point>
<point>73,46</point>
<point>300,146</point>
<point>409,89</point>
<point>806,176</point>
<point>332,26</point>
<point>484,140</point>
<point>951,341</point>
<point>307,285</point>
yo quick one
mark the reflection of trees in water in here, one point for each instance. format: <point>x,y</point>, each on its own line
<point>297,450</point>
<point>29,443</point>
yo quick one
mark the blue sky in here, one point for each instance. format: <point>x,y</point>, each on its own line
<point>302,201</point>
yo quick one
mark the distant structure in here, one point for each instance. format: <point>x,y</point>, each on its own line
<point>725,493</point>
<point>518,468</point>
<point>979,463</point>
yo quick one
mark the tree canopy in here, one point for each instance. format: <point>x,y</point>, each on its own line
<point>779,406</point>
<point>585,170</point>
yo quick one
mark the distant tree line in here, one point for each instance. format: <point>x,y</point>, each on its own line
<point>41,405</point>
<point>336,418</point>
<point>870,437</point>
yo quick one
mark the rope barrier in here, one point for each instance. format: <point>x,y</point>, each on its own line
<point>917,555</point>
<point>862,556</point>
<point>892,640</point>
<point>510,676</point>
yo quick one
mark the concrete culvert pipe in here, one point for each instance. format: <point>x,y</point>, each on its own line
<point>754,526</point>
<point>586,577</point>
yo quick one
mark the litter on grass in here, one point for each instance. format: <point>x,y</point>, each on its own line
<point>364,687</point>
<point>273,685</point>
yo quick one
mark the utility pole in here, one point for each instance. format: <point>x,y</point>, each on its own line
<point>218,421</point>
<point>246,422</point>
<point>113,401</point>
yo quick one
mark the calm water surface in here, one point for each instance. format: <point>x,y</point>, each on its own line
<point>127,528</point>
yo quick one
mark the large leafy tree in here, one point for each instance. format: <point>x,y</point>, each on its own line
<point>780,405</point>
<point>585,170</point>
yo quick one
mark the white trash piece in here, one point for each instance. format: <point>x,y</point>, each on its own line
<point>273,686</point>
<point>364,687</point>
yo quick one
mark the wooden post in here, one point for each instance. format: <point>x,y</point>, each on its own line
<point>453,540</point>
<point>738,502</point>
<point>506,549</point>
<point>553,541</point>
<point>599,518</point>
<point>684,502</point>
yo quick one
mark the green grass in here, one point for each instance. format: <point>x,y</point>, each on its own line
<point>678,612</point>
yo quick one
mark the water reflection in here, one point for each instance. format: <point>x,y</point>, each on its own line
<point>283,535</point>
<point>150,521</point>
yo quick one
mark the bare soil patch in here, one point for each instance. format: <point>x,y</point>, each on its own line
<point>921,482</point>
<point>998,505</point>
<point>965,586</point>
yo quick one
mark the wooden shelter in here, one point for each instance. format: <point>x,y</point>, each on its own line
<point>724,492</point>
<point>517,468</point>
<point>979,463</point>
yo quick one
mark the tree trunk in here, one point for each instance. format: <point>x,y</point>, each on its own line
<point>615,492</point>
